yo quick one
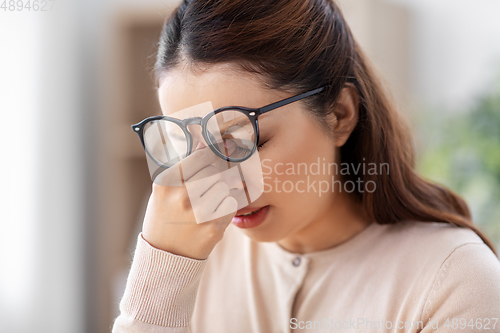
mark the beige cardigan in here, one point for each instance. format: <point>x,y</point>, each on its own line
<point>408,277</point>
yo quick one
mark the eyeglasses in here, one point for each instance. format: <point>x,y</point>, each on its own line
<point>231,132</point>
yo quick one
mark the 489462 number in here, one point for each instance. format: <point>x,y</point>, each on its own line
<point>27,5</point>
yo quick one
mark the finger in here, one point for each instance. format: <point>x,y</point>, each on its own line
<point>167,176</point>
<point>213,197</point>
<point>197,161</point>
<point>205,206</point>
<point>207,171</point>
<point>227,207</point>
<point>177,174</point>
<point>197,188</point>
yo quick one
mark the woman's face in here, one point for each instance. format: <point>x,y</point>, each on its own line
<point>298,189</point>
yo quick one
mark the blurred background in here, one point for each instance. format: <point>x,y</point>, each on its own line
<point>74,75</point>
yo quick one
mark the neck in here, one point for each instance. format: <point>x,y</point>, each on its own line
<point>342,221</point>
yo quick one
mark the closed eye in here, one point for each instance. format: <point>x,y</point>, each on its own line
<point>261,145</point>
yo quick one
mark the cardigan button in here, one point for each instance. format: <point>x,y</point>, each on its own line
<point>296,261</point>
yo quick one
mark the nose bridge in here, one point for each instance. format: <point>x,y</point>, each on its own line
<point>189,122</point>
<point>192,121</point>
<point>198,140</point>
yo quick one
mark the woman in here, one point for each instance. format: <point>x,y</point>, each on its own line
<point>381,249</point>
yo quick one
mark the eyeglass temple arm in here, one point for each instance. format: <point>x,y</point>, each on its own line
<point>289,100</point>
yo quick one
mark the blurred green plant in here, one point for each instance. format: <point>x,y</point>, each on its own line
<point>461,150</point>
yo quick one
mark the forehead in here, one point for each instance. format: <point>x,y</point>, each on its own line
<point>219,84</point>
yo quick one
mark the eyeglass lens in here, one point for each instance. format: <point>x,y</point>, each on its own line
<point>229,132</point>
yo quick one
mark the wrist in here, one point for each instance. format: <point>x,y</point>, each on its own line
<point>195,249</point>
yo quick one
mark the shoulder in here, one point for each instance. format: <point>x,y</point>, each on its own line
<point>430,232</point>
<point>467,285</point>
<point>446,271</point>
<point>425,242</point>
<point>426,248</point>
<point>462,272</point>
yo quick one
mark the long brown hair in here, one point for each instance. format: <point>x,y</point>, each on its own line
<point>300,45</point>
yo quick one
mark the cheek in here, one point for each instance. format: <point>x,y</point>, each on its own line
<point>297,169</point>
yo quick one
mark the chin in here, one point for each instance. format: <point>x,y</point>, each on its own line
<point>263,234</point>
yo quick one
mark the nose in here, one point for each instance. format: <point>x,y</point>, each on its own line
<point>198,140</point>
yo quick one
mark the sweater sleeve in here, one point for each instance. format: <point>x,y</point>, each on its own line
<point>160,292</point>
<point>465,295</point>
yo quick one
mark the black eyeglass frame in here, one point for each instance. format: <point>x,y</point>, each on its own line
<point>251,113</point>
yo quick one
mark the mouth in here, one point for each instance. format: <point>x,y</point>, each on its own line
<point>250,217</point>
<point>248,211</point>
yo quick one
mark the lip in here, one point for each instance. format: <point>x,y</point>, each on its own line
<point>250,221</point>
<point>247,210</point>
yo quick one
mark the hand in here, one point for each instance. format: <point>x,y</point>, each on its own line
<point>172,211</point>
